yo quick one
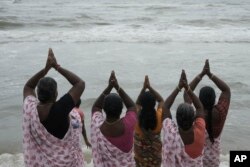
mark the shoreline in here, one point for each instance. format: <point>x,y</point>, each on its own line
<point>10,160</point>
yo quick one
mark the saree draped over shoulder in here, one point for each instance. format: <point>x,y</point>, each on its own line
<point>41,149</point>
<point>104,153</point>
<point>174,154</point>
<point>212,152</point>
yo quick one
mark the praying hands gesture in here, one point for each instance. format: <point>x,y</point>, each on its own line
<point>113,83</point>
<point>206,70</point>
<point>183,83</point>
<point>51,61</point>
<point>146,84</point>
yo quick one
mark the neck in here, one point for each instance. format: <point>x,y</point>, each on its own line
<point>45,103</point>
<point>111,121</point>
<point>186,131</point>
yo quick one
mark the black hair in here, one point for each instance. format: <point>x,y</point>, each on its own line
<point>113,105</point>
<point>147,116</point>
<point>46,89</point>
<point>78,103</point>
<point>207,97</point>
<point>185,116</point>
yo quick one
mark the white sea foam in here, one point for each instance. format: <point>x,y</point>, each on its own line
<point>117,21</point>
<point>123,34</point>
<point>126,33</point>
<point>16,160</point>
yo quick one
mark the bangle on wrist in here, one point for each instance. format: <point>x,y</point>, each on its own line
<point>57,67</point>
<point>211,76</point>
<point>119,88</point>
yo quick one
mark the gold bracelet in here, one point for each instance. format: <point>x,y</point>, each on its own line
<point>118,90</point>
<point>212,75</point>
<point>57,67</point>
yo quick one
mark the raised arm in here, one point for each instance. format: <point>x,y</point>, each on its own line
<point>77,83</point>
<point>157,96</point>
<point>129,103</point>
<point>138,101</point>
<point>147,85</point>
<point>84,134</point>
<point>195,82</point>
<point>171,98</point>
<point>196,101</point>
<point>97,106</point>
<point>225,90</point>
<point>29,87</point>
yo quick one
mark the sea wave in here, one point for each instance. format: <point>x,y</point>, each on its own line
<point>9,24</point>
<point>121,33</point>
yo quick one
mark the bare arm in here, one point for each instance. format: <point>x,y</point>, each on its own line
<point>157,96</point>
<point>197,103</point>
<point>194,83</point>
<point>225,90</point>
<point>171,98</point>
<point>129,103</point>
<point>147,85</point>
<point>29,87</point>
<point>138,101</point>
<point>77,83</point>
<point>97,106</point>
<point>84,134</point>
<point>168,103</point>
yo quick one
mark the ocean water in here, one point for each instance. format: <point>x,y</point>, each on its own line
<point>134,38</point>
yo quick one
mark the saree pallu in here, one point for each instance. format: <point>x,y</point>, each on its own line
<point>173,151</point>
<point>42,149</point>
<point>212,152</point>
<point>104,153</point>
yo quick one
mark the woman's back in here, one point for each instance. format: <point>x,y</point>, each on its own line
<point>147,139</point>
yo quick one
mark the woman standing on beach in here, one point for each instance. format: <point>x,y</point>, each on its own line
<point>215,115</point>
<point>183,142</point>
<point>112,137</point>
<point>147,139</point>
<point>51,130</point>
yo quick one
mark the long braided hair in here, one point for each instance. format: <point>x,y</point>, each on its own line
<point>147,116</point>
<point>207,97</point>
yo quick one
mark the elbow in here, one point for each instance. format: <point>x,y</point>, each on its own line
<point>229,90</point>
<point>161,100</point>
<point>81,85</point>
<point>166,106</point>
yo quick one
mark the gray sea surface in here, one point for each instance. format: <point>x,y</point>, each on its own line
<point>158,38</point>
